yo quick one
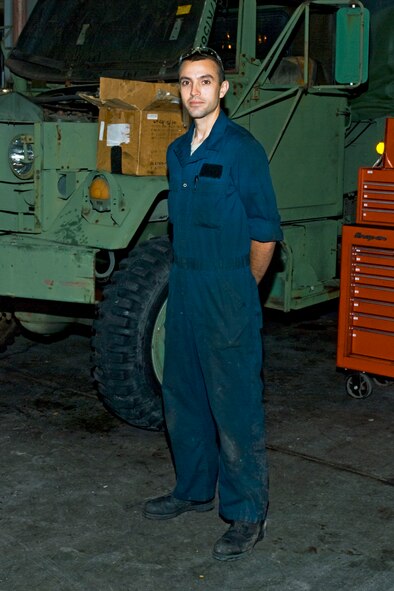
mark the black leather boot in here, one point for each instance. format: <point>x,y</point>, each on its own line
<point>168,507</point>
<point>239,540</point>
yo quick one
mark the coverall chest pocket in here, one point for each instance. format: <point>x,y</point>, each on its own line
<point>209,201</point>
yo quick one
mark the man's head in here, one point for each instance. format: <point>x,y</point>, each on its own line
<point>202,83</point>
<point>202,53</point>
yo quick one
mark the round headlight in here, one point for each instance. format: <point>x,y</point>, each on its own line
<point>21,156</point>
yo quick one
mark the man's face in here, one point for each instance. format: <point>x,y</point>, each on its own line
<point>200,88</point>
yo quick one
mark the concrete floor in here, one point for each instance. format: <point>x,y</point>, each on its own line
<point>74,479</point>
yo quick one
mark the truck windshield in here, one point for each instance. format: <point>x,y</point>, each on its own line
<point>80,40</point>
<point>270,20</point>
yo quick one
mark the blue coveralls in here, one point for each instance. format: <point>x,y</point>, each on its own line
<point>220,198</point>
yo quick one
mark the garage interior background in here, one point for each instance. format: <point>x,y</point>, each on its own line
<point>13,16</point>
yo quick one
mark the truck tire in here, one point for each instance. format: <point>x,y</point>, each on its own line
<point>127,333</point>
<point>8,329</point>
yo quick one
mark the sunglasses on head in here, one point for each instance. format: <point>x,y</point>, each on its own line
<point>204,52</point>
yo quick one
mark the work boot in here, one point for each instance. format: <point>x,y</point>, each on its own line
<point>168,507</point>
<point>239,540</point>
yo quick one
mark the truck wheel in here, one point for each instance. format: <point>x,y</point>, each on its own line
<point>8,329</point>
<point>128,341</point>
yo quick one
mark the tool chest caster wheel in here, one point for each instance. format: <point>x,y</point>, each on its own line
<point>382,381</point>
<point>359,385</point>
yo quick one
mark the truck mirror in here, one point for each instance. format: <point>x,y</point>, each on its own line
<point>352,44</point>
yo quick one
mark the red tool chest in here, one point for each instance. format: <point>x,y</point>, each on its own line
<point>366,309</point>
<point>375,204</point>
<point>366,304</point>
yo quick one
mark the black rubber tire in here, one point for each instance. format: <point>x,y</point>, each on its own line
<point>359,385</point>
<point>8,329</point>
<point>122,335</point>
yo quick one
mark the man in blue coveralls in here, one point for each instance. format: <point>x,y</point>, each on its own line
<point>225,225</point>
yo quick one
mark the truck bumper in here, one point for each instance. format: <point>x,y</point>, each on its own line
<point>36,269</point>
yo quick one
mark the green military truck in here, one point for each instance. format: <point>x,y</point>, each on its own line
<point>299,83</point>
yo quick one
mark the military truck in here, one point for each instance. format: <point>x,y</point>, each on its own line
<point>78,244</point>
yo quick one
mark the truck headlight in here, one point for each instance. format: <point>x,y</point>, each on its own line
<point>21,156</point>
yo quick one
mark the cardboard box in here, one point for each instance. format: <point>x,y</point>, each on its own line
<point>137,122</point>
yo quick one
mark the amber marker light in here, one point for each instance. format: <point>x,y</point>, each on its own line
<point>380,148</point>
<point>99,189</point>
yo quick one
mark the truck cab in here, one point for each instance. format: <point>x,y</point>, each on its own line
<point>293,68</point>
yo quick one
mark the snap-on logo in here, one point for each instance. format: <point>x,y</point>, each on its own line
<point>369,236</point>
